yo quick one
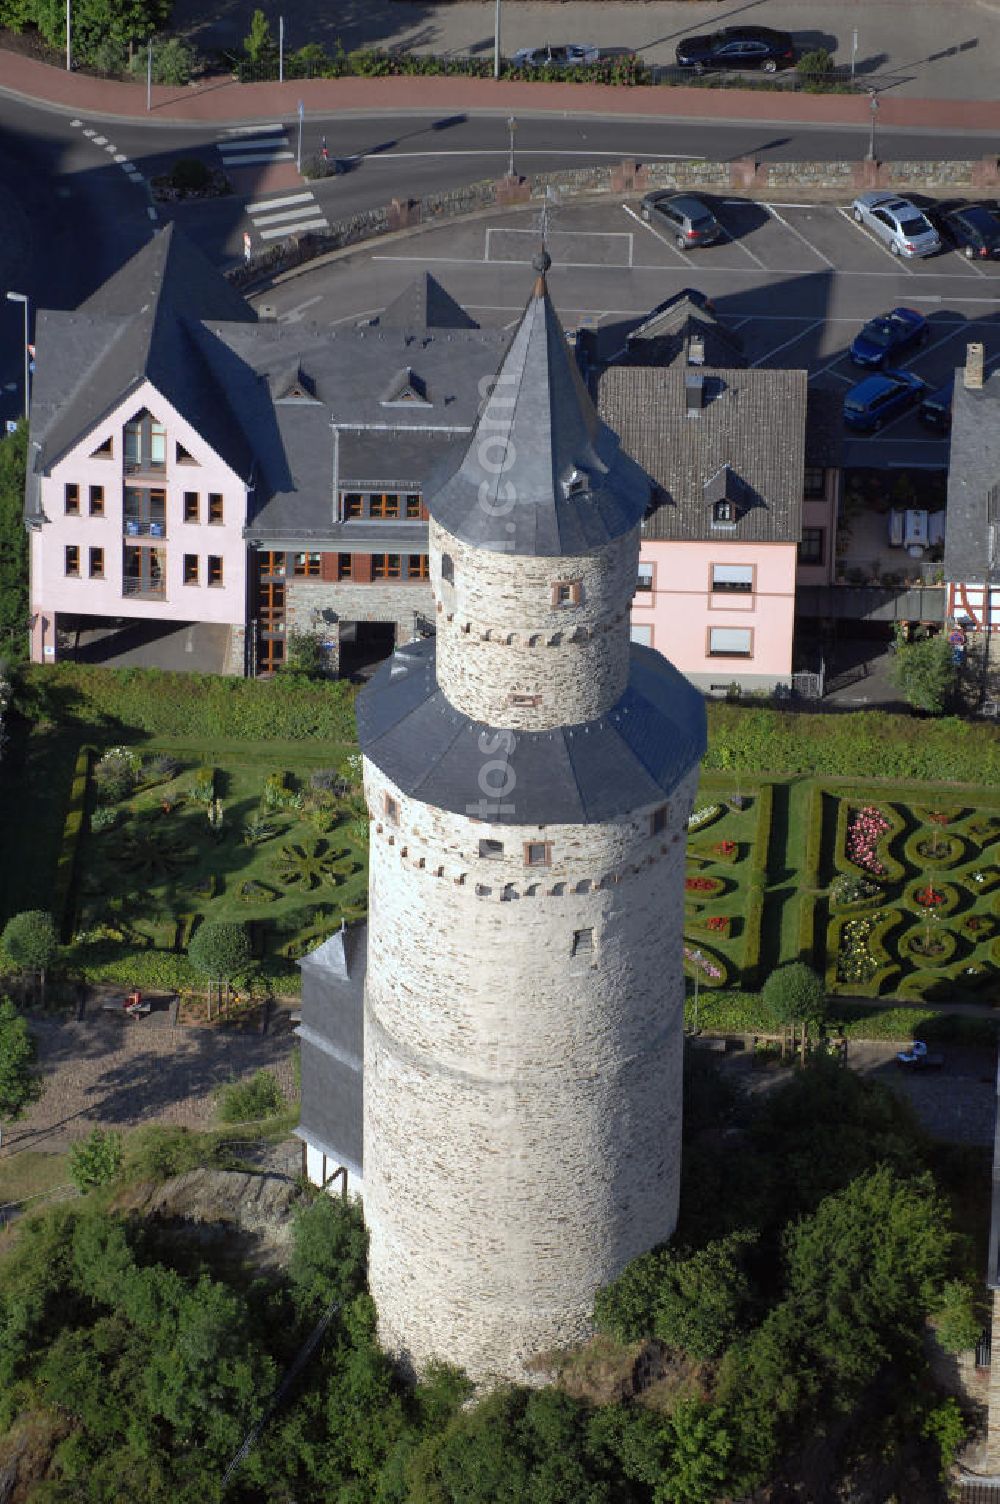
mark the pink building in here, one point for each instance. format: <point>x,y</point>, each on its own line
<point>725,447</point>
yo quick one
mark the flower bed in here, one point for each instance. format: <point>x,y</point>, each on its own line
<point>934,847</point>
<point>726,851</point>
<point>705,887</point>
<point>865,829</point>
<point>699,818</point>
<point>707,965</point>
<point>929,946</point>
<point>940,898</point>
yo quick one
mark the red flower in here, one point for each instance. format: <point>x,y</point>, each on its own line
<point>929,897</point>
<point>717,922</point>
<point>699,884</point>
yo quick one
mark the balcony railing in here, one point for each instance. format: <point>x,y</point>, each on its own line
<point>149,590</point>
<point>144,527</point>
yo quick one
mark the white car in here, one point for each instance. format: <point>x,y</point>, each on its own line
<point>905,229</point>
<point>569,56</point>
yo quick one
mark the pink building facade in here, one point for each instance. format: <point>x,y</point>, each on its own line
<point>723,612</point>
<point>140,519</point>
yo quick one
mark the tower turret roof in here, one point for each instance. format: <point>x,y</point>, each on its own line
<point>542,474</point>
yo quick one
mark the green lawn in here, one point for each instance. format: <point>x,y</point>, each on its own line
<point>31,1173</point>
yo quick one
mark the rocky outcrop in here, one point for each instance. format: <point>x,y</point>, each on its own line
<point>250,1216</point>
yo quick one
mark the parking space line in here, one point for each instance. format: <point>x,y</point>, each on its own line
<point>794,340</point>
<point>968,261</point>
<point>874,240</point>
<point>926,349</point>
<point>806,242</point>
<point>663,240</point>
<point>741,247</point>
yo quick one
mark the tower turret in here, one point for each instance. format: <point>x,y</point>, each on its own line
<point>529,778</point>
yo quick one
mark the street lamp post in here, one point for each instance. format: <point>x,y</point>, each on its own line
<point>511,128</point>
<point>22,298</point>
<point>496,41</point>
<point>873,107</point>
<point>69,34</point>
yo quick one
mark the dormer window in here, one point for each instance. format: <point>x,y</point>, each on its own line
<point>407,389</point>
<point>575,483</point>
<point>723,511</point>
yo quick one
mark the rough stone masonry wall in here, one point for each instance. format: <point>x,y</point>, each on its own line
<point>499,634</point>
<point>315,606</point>
<point>522,1103</point>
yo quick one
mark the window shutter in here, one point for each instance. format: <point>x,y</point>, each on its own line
<point>328,568</point>
<point>363,569</point>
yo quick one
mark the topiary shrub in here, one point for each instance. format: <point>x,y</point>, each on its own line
<point>795,994</point>
<point>220,950</point>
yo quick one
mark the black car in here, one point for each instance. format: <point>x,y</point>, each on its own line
<point>972,228</point>
<point>737,47</point>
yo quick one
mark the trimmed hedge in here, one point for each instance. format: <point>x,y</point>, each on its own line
<point>130,702</point>
<point>762,833</point>
<point>869,744</point>
<point>64,893</point>
<point>744,1013</point>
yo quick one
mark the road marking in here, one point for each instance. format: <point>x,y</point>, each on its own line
<point>271,156</point>
<point>296,314</point>
<point>135,177</point>
<point>90,133</point>
<point>817,323</point>
<point>663,240</point>
<point>100,140</point>
<point>741,247</point>
<point>76,124</point>
<point>772,209</point>
<point>534,151</point>
<point>926,349</point>
<point>121,160</point>
<point>968,261</point>
<point>256,143</point>
<point>287,216</point>
<point>309,224</point>
<point>112,151</point>
<point>263,204</point>
<point>250,130</point>
<point>152,212</point>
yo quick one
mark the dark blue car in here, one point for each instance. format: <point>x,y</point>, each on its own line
<point>890,335</point>
<point>935,409</point>
<point>878,398</point>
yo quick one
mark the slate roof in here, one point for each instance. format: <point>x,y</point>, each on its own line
<point>752,421</point>
<point>141,325</point>
<point>664,338</point>
<point>424,305</point>
<point>332,1037</point>
<point>541,474</point>
<point>573,775</point>
<point>972,539</point>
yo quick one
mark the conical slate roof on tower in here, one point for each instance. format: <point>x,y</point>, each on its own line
<point>542,474</point>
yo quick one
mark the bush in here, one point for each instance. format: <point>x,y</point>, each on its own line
<point>958,1327</point>
<point>189,175</point>
<point>96,1160</point>
<point>926,673</point>
<point>203,788</point>
<point>250,1101</point>
<point>31,941</point>
<point>157,1152</point>
<point>115,775</point>
<point>174,62</point>
<point>815,65</point>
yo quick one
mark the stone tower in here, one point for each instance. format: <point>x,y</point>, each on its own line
<point>529,776</point>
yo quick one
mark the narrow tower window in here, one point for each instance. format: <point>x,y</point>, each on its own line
<point>490,850</point>
<point>391,808</point>
<point>448,569</point>
<point>538,853</point>
<point>566,593</point>
<point>658,821</point>
<point>583,941</point>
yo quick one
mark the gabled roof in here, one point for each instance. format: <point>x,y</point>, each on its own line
<point>145,324</point>
<point>405,386</point>
<point>424,304</point>
<point>683,330</point>
<point>972,540</point>
<point>752,421</point>
<point>541,474</point>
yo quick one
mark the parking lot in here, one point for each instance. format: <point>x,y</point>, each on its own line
<point>793,281</point>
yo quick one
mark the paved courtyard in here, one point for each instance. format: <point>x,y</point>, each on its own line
<point>105,1071</point>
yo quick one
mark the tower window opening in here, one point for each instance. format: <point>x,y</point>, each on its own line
<point>448,569</point>
<point>658,821</point>
<point>583,941</point>
<point>538,853</point>
<point>525,700</point>
<point>490,850</point>
<point>566,593</point>
<point>391,809</point>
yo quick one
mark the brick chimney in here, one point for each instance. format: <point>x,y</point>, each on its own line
<point>974,366</point>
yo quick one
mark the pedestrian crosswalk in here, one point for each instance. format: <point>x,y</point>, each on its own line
<point>261,147</point>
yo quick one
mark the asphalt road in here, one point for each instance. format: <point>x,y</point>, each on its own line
<point>72,214</point>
